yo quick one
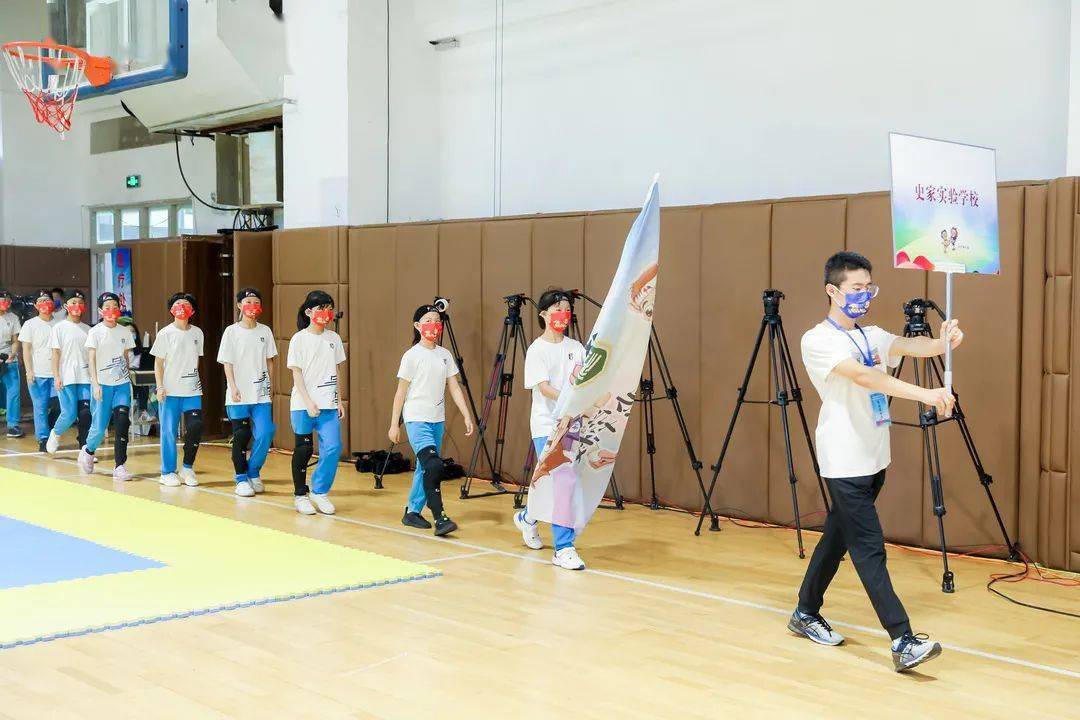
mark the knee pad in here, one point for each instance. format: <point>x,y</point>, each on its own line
<point>302,452</point>
<point>241,434</point>
<point>428,458</point>
<point>121,420</point>
<point>193,426</point>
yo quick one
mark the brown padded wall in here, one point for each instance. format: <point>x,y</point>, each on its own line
<point>459,281</point>
<point>804,233</point>
<point>734,271</point>
<point>253,266</point>
<point>677,323</point>
<point>1017,396</point>
<point>25,269</point>
<point>311,256</point>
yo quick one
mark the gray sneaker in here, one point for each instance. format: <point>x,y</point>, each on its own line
<point>815,628</point>
<point>914,650</point>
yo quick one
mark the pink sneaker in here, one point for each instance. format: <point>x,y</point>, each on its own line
<point>86,461</point>
<point>121,474</point>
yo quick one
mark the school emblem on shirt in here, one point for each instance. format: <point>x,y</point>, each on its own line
<point>596,357</point>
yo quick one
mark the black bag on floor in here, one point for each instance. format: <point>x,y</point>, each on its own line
<point>377,461</point>
<point>452,470</point>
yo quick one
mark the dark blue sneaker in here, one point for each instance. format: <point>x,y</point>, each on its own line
<point>15,432</point>
<point>911,650</point>
<point>815,628</point>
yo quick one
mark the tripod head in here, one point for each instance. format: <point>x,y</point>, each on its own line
<point>441,304</point>
<point>771,299</point>
<point>915,311</point>
<point>513,306</point>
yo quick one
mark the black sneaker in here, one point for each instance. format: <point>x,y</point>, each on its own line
<point>444,526</point>
<point>914,650</point>
<point>15,432</point>
<point>41,445</point>
<point>414,519</point>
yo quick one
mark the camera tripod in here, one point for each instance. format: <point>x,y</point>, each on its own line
<point>443,306</point>
<point>787,392</point>
<point>927,372</point>
<point>501,388</point>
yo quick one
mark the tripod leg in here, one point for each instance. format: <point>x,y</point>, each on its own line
<point>928,422</point>
<point>782,400</point>
<point>526,473</point>
<point>465,380</point>
<point>707,508</point>
<point>648,411</point>
<point>793,382</point>
<point>482,420</point>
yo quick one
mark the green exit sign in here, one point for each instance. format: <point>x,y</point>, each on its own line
<point>133,181</point>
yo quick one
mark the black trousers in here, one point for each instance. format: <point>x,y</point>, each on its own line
<point>853,527</point>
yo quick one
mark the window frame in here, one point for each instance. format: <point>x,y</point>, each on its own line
<point>174,206</point>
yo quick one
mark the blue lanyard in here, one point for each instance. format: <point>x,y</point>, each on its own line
<point>868,356</point>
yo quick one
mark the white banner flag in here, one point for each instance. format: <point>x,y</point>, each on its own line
<point>575,466</point>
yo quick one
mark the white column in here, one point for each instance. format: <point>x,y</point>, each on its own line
<point>1072,148</point>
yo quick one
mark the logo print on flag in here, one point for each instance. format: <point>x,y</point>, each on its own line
<point>575,466</point>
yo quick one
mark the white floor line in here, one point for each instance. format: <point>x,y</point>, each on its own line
<point>664,586</point>
<point>448,558</point>
<point>372,666</point>
<point>12,454</point>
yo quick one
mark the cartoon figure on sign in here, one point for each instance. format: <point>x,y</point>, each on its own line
<point>643,292</point>
<point>944,240</point>
<point>953,234</point>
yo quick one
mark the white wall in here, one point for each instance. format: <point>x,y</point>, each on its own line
<point>728,100</point>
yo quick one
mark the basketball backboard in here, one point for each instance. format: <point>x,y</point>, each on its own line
<point>146,39</point>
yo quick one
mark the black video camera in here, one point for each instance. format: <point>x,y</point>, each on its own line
<point>771,298</point>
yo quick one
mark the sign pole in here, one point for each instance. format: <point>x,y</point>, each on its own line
<point>948,317</point>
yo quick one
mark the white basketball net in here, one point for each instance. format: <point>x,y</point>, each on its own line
<point>49,76</point>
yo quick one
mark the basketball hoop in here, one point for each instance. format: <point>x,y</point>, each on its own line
<point>49,74</point>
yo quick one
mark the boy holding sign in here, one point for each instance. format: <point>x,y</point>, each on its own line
<point>847,366</point>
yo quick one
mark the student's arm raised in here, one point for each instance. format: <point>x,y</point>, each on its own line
<point>876,381</point>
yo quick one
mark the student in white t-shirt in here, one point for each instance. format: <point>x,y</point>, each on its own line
<point>108,352</point>
<point>549,362</point>
<point>9,369</point>
<point>37,357</point>
<point>315,352</point>
<point>847,366</point>
<point>71,372</point>
<point>426,370</point>
<point>176,350</point>
<point>246,349</point>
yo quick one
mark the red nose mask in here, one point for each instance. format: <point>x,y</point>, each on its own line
<point>559,319</point>
<point>431,331</point>
<point>251,310</point>
<point>45,307</point>
<point>111,314</point>
<point>5,304</point>
<point>323,317</point>
<point>182,311</point>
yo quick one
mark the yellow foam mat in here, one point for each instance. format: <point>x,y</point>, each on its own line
<point>211,563</point>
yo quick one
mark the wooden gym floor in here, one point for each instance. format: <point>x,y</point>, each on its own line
<point>662,625</point>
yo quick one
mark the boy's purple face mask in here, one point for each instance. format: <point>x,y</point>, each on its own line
<point>856,304</point>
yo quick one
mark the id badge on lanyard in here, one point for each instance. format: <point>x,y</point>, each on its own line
<point>879,404</point>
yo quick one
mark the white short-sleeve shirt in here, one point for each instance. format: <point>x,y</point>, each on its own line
<point>849,442</point>
<point>9,331</point>
<point>111,345</point>
<point>36,333</point>
<point>317,356</point>
<point>181,350</point>
<point>550,362</point>
<point>427,370</point>
<point>70,339</point>
<point>248,350</point>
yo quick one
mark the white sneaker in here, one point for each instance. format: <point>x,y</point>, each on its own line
<point>303,505</point>
<point>244,489</point>
<point>122,474</point>
<point>53,443</point>
<point>530,532</point>
<point>323,504</point>
<point>257,484</point>
<point>170,480</point>
<point>568,558</point>
<point>188,476</point>
<point>85,461</point>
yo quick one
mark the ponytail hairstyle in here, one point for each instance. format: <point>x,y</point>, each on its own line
<point>551,296</point>
<point>421,312</point>
<point>314,299</point>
